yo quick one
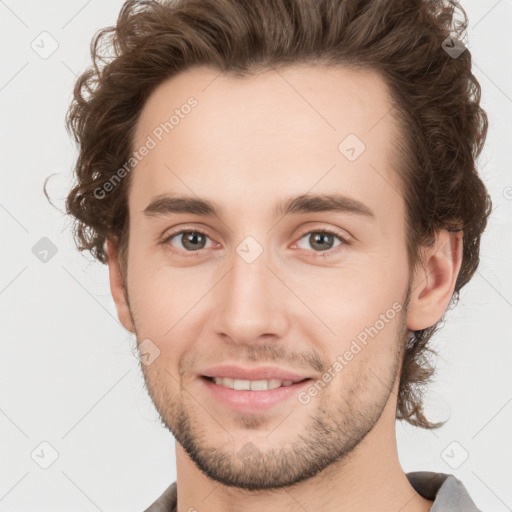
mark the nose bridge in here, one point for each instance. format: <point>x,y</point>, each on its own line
<point>251,296</point>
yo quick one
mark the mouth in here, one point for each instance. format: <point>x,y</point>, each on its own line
<point>252,396</point>
<point>252,390</point>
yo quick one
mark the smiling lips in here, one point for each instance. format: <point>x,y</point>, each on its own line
<point>252,390</point>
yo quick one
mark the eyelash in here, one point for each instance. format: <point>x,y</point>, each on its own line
<point>195,254</point>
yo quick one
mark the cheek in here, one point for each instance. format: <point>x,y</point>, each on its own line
<point>349,299</point>
<point>164,299</point>
<point>361,312</point>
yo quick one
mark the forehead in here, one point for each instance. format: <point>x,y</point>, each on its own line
<point>283,132</point>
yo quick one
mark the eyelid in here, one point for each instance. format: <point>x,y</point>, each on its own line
<point>340,233</point>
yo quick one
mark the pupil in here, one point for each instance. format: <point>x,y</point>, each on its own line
<point>192,238</point>
<point>319,237</point>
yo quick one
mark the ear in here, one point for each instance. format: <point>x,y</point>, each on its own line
<point>434,280</point>
<point>116,286</point>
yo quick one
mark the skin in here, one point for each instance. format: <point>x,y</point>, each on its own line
<point>249,144</point>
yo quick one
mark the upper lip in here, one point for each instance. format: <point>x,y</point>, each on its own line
<point>257,373</point>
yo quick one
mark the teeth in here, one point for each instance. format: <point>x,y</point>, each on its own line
<point>252,385</point>
<point>241,384</point>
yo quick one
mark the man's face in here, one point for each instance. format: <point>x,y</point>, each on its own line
<point>253,287</point>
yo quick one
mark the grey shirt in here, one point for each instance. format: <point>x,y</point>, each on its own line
<point>447,492</point>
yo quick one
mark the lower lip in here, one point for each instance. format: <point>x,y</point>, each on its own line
<point>247,401</point>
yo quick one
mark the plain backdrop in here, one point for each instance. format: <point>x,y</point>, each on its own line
<point>71,391</point>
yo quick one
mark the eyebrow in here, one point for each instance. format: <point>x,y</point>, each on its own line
<point>164,204</point>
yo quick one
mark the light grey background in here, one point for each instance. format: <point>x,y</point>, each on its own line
<point>68,374</point>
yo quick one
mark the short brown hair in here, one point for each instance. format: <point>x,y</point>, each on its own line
<point>435,97</point>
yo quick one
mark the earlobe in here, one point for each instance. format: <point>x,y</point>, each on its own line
<point>434,281</point>
<point>116,286</point>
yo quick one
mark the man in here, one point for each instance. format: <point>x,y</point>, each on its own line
<point>286,195</point>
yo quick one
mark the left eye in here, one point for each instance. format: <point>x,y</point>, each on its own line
<point>322,240</point>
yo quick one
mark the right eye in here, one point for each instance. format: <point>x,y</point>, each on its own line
<point>191,241</point>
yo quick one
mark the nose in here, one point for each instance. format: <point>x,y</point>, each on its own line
<point>252,302</point>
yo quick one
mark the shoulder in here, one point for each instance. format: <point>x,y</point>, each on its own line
<point>166,502</point>
<point>445,490</point>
